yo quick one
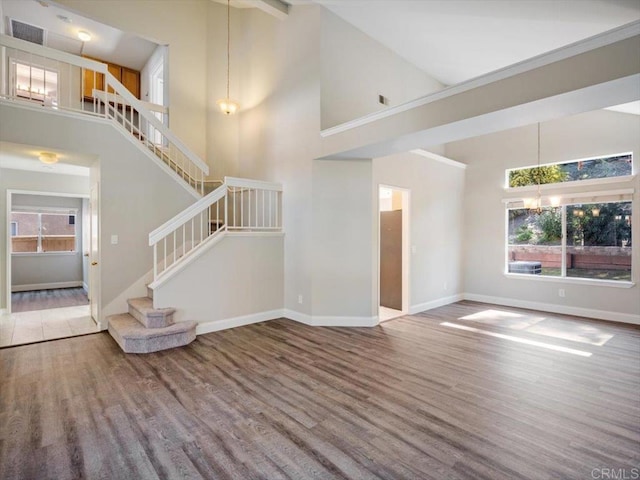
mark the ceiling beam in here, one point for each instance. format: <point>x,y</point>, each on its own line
<point>589,75</point>
<point>277,8</point>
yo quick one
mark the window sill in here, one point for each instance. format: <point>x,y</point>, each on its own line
<point>42,254</point>
<point>572,280</point>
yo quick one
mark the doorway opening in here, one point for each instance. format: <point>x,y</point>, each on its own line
<point>47,272</point>
<point>393,265</point>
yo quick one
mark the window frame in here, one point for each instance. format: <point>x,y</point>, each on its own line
<point>45,211</point>
<point>564,246</point>
<point>13,84</point>
<point>572,183</point>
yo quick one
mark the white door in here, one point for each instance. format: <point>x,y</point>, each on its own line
<point>94,254</point>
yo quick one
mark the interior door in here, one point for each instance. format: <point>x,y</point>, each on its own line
<point>94,254</point>
<point>391,259</point>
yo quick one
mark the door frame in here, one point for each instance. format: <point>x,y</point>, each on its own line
<point>94,254</point>
<point>10,193</point>
<point>406,245</point>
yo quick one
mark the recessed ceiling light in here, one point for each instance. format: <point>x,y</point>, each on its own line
<point>84,36</point>
<point>64,19</point>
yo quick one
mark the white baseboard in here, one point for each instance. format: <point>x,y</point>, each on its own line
<point>214,326</point>
<point>550,307</point>
<point>45,286</point>
<point>421,307</point>
<point>327,321</point>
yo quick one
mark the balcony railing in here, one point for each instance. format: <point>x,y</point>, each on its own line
<point>42,77</point>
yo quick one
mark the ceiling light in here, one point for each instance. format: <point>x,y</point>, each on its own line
<point>228,106</point>
<point>48,158</point>
<point>84,36</point>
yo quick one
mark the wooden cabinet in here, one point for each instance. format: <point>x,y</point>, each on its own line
<point>116,71</point>
<point>128,77</point>
<point>131,80</point>
<point>90,81</point>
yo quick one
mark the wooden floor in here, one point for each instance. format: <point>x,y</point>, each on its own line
<point>410,399</point>
<point>46,299</point>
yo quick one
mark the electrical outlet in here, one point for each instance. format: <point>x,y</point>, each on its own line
<point>300,299</point>
<point>561,292</point>
<point>114,239</point>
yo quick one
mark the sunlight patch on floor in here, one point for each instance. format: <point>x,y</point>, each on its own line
<point>542,325</point>
<point>499,318</point>
<point>525,341</point>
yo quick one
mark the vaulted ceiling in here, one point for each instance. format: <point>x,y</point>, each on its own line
<point>456,40</point>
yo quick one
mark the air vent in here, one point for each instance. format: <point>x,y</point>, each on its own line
<point>27,32</point>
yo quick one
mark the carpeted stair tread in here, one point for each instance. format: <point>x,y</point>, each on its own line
<point>135,338</point>
<point>142,310</point>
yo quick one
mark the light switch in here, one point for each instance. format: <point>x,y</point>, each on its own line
<point>413,249</point>
<point>114,239</point>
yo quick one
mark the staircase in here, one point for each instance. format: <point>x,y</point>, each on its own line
<point>236,206</point>
<point>146,329</point>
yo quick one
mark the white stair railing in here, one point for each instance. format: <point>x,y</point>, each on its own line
<point>37,76</point>
<point>238,205</point>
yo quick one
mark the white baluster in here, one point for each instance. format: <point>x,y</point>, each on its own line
<point>155,261</point>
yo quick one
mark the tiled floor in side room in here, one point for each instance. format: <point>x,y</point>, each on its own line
<point>36,326</point>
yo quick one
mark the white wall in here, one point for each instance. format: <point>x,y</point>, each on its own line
<point>435,225</point>
<point>136,194</point>
<point>356,69</point>
<point>343,240</point>
<point>30,181</point>
<point>240,276</point>
<point>280,132</point>
<point>37,269</point>
<point>581,136</point>
<point>329,206</point>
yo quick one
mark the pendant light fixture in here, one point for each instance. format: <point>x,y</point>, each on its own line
<point>228,106</point>
<point>537,203</point>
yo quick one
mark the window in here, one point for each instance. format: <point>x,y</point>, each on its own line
<point>575,235</point>
<point>577,240</point>
<point>35,83</point>
<point>575,170</point>
<point>43,232</point>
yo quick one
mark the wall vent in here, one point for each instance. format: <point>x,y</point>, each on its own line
<point>27,32</point>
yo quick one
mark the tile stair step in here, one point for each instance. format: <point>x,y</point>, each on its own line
<point>142,310</point>
<point>135,338</point>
